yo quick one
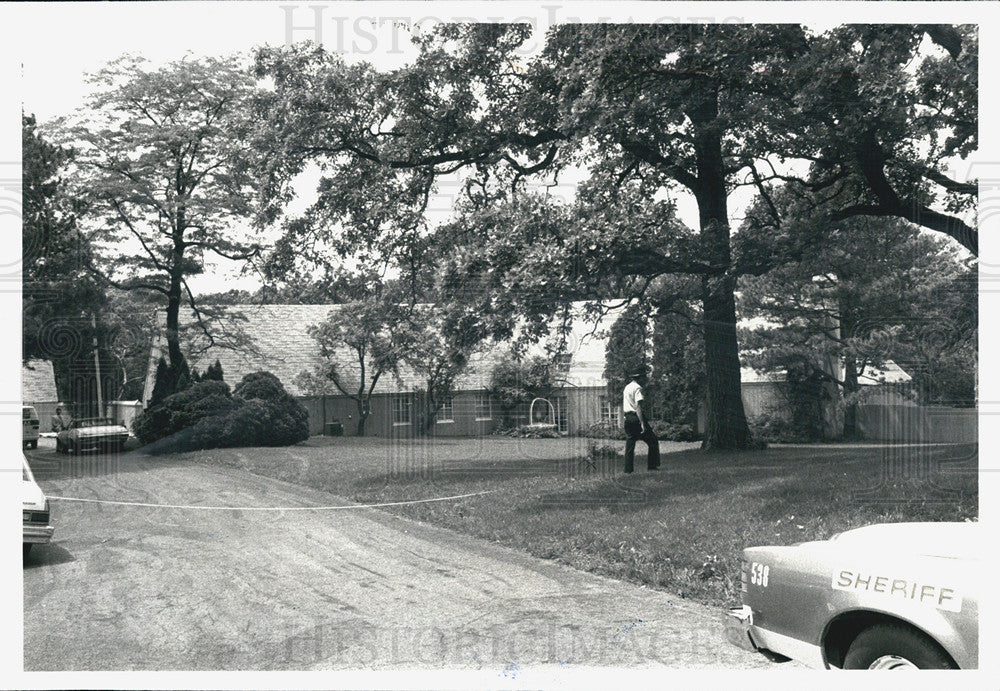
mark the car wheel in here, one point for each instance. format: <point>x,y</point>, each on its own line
<point>34,444</point>
<point>895,647</point>
<point>25,549</point>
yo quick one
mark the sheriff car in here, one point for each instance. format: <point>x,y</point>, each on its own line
<point>888,596</point>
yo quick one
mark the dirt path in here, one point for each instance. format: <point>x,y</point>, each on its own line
<point>137,587</point>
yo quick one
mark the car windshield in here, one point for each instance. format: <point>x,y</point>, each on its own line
<point>26,472</point>
<point>93,422</point>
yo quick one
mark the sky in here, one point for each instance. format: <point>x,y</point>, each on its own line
<point>45,49</point>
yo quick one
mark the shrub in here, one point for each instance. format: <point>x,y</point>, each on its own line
<point>667,431</point>
<point>169,380</point>
<point>286,420</point>
<point>769,427</point>
<point>538,431</point>
<point>604,430</point>
<point>206,416</point>
<point>261,385</point>
<point>181,410</point>
<point>670,431</point>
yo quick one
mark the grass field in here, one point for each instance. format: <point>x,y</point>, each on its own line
<point>681,528</point>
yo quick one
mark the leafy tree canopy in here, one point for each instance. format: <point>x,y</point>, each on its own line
<point>648,112</point>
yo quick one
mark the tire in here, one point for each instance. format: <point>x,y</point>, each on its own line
<point>59,446</point>
<point>34,444</point>
<point>896,647</point>
<point>25,549</point>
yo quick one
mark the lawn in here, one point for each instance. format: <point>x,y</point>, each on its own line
<point>680,529</point>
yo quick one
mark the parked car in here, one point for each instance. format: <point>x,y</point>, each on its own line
<point>92,433</point>
<point>888,596</point>
<point>29,427</point>
<point>35,511</point>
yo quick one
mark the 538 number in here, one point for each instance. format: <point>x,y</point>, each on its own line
<point>759,573</point>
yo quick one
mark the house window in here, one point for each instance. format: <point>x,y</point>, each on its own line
<point>484,406</point>
<point>447,411</point>
<point>402,410</point>
<point>611,413</point>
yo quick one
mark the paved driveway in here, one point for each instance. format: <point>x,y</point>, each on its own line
<point>132,587</point>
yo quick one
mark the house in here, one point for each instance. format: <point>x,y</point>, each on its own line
<point>38,389</point>
<point>277,340</point>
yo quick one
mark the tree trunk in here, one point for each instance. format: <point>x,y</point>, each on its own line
<point>363,411</point>
<point>851,431</point>
<point>174,295</point>
<point>430,409</point>
<point>727,423</point>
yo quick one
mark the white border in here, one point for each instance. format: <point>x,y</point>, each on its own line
<point>21,26</point>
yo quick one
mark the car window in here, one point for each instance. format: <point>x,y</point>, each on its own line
<point>93,422</point>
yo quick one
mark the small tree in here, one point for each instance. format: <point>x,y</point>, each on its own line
<point>627,348</point>
<point>438,349</point>
<point>361,343</point>
<point>515,382</point>
<point>677,379</point>
<point>169,380</point>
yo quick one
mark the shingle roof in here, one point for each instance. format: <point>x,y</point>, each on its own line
<point>38,382</point>
<point>279,342</point>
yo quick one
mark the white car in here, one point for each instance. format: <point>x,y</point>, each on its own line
<point>35,511</point>
<point>92,433</point>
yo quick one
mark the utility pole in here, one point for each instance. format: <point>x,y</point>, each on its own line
<point>97,367</point>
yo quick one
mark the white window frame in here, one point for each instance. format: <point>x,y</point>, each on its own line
<point>399,404</point>
<point>610,413</point>
<point>480,397</point>
<point>449,405</point>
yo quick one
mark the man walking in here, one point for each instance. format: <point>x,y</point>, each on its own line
<point>636,425</point>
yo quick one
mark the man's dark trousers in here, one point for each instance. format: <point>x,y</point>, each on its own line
<point>633,433</point>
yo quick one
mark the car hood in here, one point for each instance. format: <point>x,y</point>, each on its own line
<point>946,540</point>
<point>32,496</point>
<point>102,429</point>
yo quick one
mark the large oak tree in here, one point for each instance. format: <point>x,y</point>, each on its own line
<point>647,112</point>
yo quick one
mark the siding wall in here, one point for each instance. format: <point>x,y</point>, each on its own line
<point>924,424</point>
<point>582,410</point>
<point>324,409</point>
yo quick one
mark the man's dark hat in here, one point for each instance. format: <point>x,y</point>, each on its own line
<point>638,372</point>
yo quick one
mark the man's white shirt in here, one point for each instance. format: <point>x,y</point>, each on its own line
<point>632,397</point>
